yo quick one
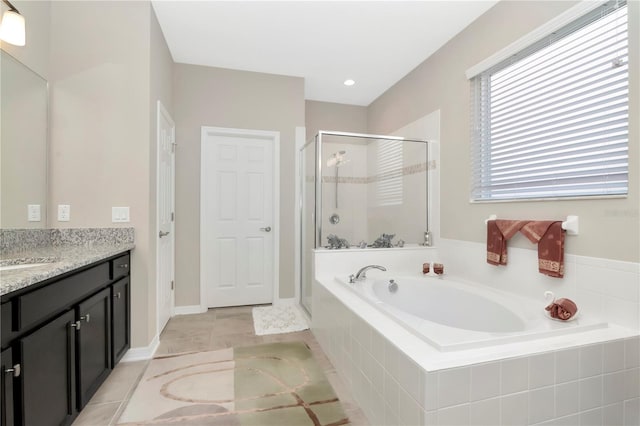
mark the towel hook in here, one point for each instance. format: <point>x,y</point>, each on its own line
<point>571,225</point>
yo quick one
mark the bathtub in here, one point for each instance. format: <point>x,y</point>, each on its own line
<point>453,315</point>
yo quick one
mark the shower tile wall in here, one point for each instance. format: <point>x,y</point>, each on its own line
<point>352,196</point>
<point>589,385</point>
<point>362,217</point>
<point>406,215</point>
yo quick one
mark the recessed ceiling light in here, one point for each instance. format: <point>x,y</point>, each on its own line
<point>349,82</point>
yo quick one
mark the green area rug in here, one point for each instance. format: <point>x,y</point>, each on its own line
<point>271,384</point>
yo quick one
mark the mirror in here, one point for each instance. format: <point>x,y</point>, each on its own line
<point>23,145</point>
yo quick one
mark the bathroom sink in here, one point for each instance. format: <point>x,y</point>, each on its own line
<point>14,264</point>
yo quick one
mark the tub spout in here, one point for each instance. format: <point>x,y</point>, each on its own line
<point>362,273</point>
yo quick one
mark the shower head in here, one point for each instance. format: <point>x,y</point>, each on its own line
<point>337,159</point>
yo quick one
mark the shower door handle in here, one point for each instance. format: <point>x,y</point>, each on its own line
<point>267,229</point>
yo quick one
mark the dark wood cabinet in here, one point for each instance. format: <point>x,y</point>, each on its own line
<point>65,336</point>
<point>94,344</point>
<point>48,386</point>
<point>121,319</point>
<point>9,370</point>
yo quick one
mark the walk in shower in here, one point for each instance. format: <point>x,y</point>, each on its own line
<point>361,191</point>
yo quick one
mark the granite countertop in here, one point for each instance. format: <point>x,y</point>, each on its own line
<point>57,260</point>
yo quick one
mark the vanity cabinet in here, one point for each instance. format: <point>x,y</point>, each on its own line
<point>47,359</point>
<point>121,338</point>
<point>94,344</point>
<point>67,334</point>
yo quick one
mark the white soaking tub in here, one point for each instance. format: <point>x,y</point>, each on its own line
<point>452,315</point>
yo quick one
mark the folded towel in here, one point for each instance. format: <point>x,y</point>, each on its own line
<point>549,236</point>
<point>562,309</point>
<point>498,232</point>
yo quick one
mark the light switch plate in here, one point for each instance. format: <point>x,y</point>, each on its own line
<point>64,212</point>
<point>33,213</point>
<point>119,214</point>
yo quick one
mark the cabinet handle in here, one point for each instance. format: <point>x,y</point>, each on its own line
<point>117,295</point>
<point>15,370</point>
<point>123,266</point>
<point>76,325</point>
<point>85,318</point>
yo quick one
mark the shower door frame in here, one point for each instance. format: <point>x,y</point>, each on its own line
<point>318,190</point>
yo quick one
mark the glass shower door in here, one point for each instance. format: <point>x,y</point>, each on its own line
<point>307,222</point>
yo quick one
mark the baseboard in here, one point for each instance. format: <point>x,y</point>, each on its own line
<point>142,353</point>
<point>188,310</point>
<point>285,302</point>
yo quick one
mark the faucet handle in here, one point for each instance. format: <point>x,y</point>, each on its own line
<point>352,279</point>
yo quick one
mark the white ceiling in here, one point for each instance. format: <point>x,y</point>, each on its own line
<point>375,43</point>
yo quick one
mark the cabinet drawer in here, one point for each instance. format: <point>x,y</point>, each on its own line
<point>119,267</point>
<point>49,300</point>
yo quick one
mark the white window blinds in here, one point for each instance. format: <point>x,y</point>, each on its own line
<point>552,121</point>
<point>389,179</point>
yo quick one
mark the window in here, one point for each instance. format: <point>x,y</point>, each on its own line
<point>552,120</point>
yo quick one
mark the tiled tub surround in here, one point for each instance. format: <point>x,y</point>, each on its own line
<point>61,251</point>
<point>589,378</point>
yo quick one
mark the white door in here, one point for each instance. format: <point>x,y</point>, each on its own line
<point>236,218</point>
<point>165,216</point>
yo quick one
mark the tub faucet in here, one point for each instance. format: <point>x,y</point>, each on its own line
<point>362,273</point>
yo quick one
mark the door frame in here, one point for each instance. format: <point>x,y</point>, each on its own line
<point>162,111</point>
<point>274,137</point>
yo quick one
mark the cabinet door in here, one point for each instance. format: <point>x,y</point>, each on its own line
<point>47,357</point>
<point>121,319</point>
<point>8,371</point>
<point>94,344</point>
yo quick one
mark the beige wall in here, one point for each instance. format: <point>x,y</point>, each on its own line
<point>608,228</point>
<point>332,116</point>
<point>101,140</point>
<point>204,96</point>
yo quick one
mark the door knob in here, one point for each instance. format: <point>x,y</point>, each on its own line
<point>267,229</point>
<point>163,234</point>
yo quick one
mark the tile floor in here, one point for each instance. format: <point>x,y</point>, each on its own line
<point>215,329</point>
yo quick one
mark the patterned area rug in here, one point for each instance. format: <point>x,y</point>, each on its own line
<point>271,384</point>
<point>278,319</point>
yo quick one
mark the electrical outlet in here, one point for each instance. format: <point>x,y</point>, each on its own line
<point>120,214</point>
<point>64,212</point>
<point>33,213</point>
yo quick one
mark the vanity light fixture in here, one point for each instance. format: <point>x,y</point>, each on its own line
<point>348,82</point>
<point>12,27</point>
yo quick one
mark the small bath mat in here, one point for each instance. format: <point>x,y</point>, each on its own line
<point>278,320</point>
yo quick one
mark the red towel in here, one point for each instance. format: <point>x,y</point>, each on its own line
<point>562,309</point>
<point>549,236</point>
<point>498,232</point>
